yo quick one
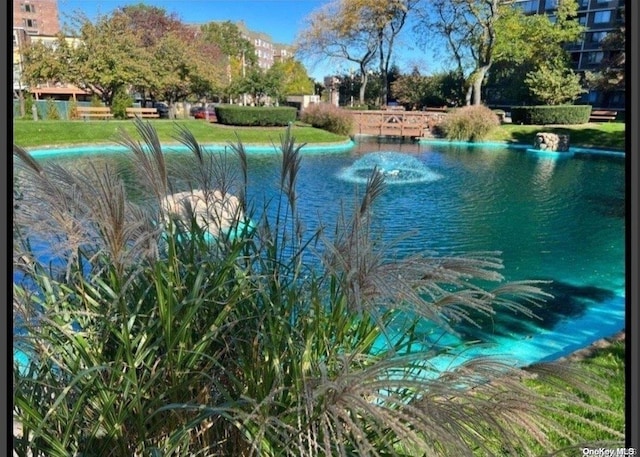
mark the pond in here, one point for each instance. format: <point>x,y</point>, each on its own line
<point>560,219</point>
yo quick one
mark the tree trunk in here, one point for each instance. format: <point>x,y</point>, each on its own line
<point>468,93</point>
<point>383,72</point>
<point>364,78</point>
<point>477,83</point>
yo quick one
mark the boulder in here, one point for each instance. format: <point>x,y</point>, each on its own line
<point>213,211</point>
<point>546,141</point>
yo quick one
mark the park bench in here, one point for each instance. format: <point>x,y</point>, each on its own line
<point>603,115</point>
<point>94,112</point>
<point>142,112</point>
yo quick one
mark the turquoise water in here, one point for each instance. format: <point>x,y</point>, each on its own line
<point>560,220</point>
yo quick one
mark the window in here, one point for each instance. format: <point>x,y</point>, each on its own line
<point>593,57</point>
<point>30,23</point>
<point>551,4</point>
<point>600,2</point>
<point>582,19</point>
<point>597,37</point>
<point>602,17</point>
<point>27,8</point>
<point>529,6</point>
<point>583,3</point>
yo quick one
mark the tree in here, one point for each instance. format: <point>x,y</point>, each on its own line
<point>330,32</point>
<point>288,77</point>
<point>240,52</point>
<point>469,29</point>
<point>183,63</point>
<point>384,21</point>
<point>554,85</point>
<point>357,31</point>
<point>416,90</point>
<point>528,44</point>
<point>47,62</point>
<point>109,56</point>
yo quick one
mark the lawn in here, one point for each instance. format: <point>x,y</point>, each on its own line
<point>30,134</point>
<point>605,135</point>
<point>602,135</point>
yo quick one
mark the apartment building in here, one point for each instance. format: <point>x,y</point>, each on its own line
<point>599,17</point>
<point>267,51</point>
<point>38,21</point>
<point>36,17</point>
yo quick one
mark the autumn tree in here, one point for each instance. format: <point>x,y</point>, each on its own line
<point>332,32</point>
<point>183,62</point>
<point>101,58</point>
<point>47,62</point>
<point>293,77</point>
<point>108,56</point>
<point>239,52</point>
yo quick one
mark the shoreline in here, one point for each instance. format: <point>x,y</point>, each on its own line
<point>588,351</point>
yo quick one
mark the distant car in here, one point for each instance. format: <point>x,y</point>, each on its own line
<point>162,108</point>
<point>205,113</point>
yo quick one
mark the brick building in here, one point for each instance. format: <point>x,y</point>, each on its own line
<point>38,21</point>
<point>36,17</point>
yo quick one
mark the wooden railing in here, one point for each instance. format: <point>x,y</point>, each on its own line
<point>415,124</point>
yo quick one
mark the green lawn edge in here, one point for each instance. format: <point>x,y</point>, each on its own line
<point>29,134</point>
<point>50,134</point>
<point>605,135</point>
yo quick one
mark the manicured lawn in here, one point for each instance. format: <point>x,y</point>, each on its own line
<point>58,133</point>
<point>605,135</point>
<point>602,135</point>
<point>609,402</point>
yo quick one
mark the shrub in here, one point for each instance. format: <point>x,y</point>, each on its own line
<point>72,112</point>
<point>546,114</point>
<point>328,117</point>
<point>95,101</point>
<point>121,101</point>
<point>255,115</point>
<point>469,123</point>
<point>52,110</point>
<point>554,85</point>
<point>28,106</point>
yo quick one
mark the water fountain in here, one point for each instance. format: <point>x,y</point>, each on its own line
<point>396,167</point>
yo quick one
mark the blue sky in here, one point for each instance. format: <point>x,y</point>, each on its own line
<point>281,19</point>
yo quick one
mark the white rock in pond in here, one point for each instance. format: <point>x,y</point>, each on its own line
<point>213,210</point>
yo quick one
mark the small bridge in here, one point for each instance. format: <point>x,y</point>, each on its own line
<point>414,124</point>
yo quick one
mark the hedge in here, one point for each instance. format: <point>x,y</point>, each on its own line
<point>255,115</point>
<point>544,114</point>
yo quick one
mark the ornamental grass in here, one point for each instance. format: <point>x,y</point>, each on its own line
<point>147,337</point>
